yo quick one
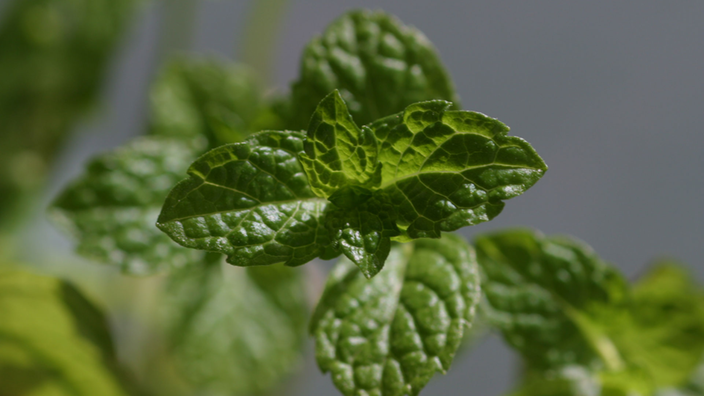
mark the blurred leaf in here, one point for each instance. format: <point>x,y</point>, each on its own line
<point>446,169</point>
<point>663,330</point>
<point>389,335</point>
<point>560,306</point>
<point>53,341</point>
<point>543,292</point>
<point>112,208</point>
<point>209,97</point>
<point>53,56</point>
<point>379,65</point>
<point>234,331</point>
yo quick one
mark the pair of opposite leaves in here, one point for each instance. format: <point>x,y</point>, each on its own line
<point>281,196</point>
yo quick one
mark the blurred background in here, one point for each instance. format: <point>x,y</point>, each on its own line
<point>611,94</point>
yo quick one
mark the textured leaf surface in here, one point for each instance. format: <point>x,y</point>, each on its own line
<point>337,152</point>
<point>112,208</point>
<point>389,335</point>
<point>379,65</point>
<point>545,293</point>
<point>448,169</point>
<point>250,201</point>
<point>52,340</point>
<point>235,331</point>
<point>364,232</point>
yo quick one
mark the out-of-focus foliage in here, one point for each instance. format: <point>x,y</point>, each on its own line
<point>53,57</point>
<point>209,97</point>
<point>234,331</point>
<point>563,308</point>
<point>53,341</point>
<point>112,208</point>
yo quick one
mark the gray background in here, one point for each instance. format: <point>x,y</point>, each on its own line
<point>611,94</point>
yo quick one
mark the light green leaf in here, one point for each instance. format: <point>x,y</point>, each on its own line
<point>212,98</point>
<point>363,233</point>
<point>337,152</point>
<point>379,65</point>
<point>389,335</point>
<point>448,169</point>
<point>112,208</point>
<point>546,294</point>
<point>52,340</point>
<point>250,201</point>
<point>235,331</point>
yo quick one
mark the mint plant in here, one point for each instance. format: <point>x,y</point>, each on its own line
<point>369,158</point>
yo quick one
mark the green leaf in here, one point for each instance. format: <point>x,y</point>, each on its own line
<point>212,98</point>
<point>448,169</point>
<point>112,208</point>
<point>379,65</point>
<point>663,330</point>
<point>363,233</point>
<point>389,335</point>
<point>559,305</point>
<point>338,153</point>
<point>53,341</point>
<point>250,201</point>
<point>546,294</point>
<point>234,331</point>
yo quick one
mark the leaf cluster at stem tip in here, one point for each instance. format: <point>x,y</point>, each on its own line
<point>281,196</point>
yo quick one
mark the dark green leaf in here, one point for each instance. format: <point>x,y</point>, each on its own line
<point>250,201</point>
<point>234,331</point>
<point>379,65</point>
<point>363,233</point>
<point>448,169</point>
<point>112,208</point>
<point>338,153</point>
<point>389,335</point>
<point>52,340</point>
<point>546,294</point>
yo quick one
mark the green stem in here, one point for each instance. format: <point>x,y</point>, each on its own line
<point>259,37</point>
